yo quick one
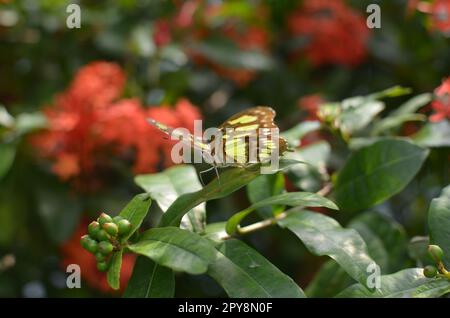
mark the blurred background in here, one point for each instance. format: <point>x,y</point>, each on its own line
<point>73,103</point>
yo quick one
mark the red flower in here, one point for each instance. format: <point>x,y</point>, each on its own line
<point>311,104</point>
<point>440,19</point>
<point>73,253</point>
<point>331,31</point>
<point>88,126</point>
<point>441,103</point>
<point>438,12</point>
<point>161,33</point>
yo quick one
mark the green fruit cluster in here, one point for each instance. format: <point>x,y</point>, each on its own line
<point>436,254</point>
<point>104,237</point>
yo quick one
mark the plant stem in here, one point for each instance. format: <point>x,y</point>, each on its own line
<point>258,225</point>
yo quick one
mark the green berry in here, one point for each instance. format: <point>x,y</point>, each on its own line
<point>104,218</point>
<point>102,235</point>
<point>105,247</point>
<point>84,241</point>
<point>117,219</point>
<point>124,227</point>
<point>88,243</point>
<point>93,228</point>
<point>111,229</point>
<point>435,253</point>
<point>102,266</point>
<point>99,257</point>
<point>430,271</point>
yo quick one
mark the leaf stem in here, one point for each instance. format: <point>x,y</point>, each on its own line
<point>258,225</point>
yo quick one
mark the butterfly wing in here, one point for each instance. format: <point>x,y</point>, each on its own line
<point>189,139</point>
<point>245,124</point>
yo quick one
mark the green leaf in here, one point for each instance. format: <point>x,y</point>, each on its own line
<point>413,104</point>
<point>230,180</point>
<point>135,212</point>
<point>404,284</point>
<point>216,231</point>
<point>113,275</point>
<point>385,238</point>
<point>386,243</point>
<point>329,281</point>
<point>6,119</point>
<point>439,223</point>
<point>7,154</point>
<point>167,186</point>
<point>294,134</point>
<point>357,116</point>
<point>150,280</point>
<point>355,113</point>
<point>178,249</point>
<point>264,187</point>
<point>377,172</point>
<point>434,135</point>
<point>243,272</point>
<point>391,122</point>
<point>394,91</point>
<point>310,176</point>
<point>29,122</point>
<point>351,115</point>
<point>322,235</point>
<point>303,199</point>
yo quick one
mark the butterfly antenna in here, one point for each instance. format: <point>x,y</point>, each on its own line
<point>204,171</point>
<point>201,179</point>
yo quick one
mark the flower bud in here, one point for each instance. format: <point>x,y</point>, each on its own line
<point>435,253</point>
<point>104,218</point>
<point>430,271</point>
<point>105,247</point>
<point>103,266</point>
<point>124,227</point>
<point>93,228</point>
<point>111,229</point>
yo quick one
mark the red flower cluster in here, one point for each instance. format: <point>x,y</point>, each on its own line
<point>441,103</point>
<point>331,32</point>
<point>88,125</point>
<point>197,21</point>
<point>440,20</point>
<point>438,11</point>
<point>73,253</point>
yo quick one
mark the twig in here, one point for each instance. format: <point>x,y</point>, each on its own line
<point>325,190</point>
